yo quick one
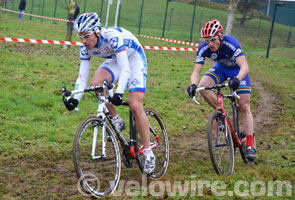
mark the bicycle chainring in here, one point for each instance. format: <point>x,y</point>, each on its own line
<point>127,160</point>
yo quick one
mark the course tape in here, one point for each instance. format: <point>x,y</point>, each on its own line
<point>79,44</point>
<point>145,36</point>
<point>170,40</point>
<point>56,19</point>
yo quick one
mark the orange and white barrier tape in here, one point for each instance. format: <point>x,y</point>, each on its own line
<point>169,48</point>
<point>79,44</point>
<point>56,19</point>
<point>170,40</point>
<point>39,41</point>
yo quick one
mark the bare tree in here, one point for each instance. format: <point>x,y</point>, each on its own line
<point>230,18</point>
<point>247,8</point>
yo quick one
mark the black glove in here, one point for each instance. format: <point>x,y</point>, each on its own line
<point>191,90</point>
<point>71,104</point>
<point>117,99</point>
<point>234,83</point>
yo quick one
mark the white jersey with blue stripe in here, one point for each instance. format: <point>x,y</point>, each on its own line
<point>226,55</point>
<point>112,40</point>
<point>114,43</point>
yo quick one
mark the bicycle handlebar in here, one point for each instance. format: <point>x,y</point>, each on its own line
<point>216,86</point>
<point>108,87</point>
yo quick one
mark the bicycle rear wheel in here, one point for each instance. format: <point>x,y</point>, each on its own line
<point>98,173</point>
<point>159,143</point>
<point>220,144</point>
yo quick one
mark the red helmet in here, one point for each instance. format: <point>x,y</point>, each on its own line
<point>211,29</point>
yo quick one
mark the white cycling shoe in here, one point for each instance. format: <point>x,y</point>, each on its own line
<point>120,124</point>
<point>149,162</point>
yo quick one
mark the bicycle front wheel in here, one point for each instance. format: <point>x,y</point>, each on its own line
<point>96,158</point>
<point>220,144</point>
<point>158,141</point>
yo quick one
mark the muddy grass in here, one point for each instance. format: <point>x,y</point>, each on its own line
<point>50,178</point>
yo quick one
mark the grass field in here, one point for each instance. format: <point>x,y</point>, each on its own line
<point>36,131</point>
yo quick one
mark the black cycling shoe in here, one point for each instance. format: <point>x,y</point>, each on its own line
<point>251,153</point>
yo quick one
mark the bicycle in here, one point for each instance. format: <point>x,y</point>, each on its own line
<point>222,145</point>
<point>96,153</point>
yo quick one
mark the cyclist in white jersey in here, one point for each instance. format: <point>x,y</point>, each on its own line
<point>231,63</point>
<point>126,63</point>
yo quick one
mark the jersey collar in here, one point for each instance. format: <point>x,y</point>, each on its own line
<point>101,38</point>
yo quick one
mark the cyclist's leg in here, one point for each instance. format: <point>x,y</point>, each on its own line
<point>247,117</point>
<point>108,70</point>
<point>244,104</point>
<point>137,84</point>
<point>211,77</point>
<point>136,105</point>
<point>244,91</point>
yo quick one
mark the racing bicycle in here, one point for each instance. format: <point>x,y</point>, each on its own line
<point>224,132</point>
<point>96,153</point>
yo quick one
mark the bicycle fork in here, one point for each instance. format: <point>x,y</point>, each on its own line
<point>94,140</point>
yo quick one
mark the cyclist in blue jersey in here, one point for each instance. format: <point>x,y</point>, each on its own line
<point>231,63</point>
<point>126,63</point>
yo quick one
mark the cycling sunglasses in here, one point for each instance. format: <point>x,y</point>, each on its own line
<point>84,36</point>
<point>210,39</point>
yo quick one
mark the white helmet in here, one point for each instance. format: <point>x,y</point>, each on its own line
<point>87,22</point>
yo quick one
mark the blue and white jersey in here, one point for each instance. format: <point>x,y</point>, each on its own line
<point>226,55</point>
<point>112,40</point>
<point>126,62</point>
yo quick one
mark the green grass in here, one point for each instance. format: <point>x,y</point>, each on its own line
<point>36,131</point>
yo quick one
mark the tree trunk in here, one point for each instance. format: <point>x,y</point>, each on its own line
<point>70,24</point>
<point>244,12</point>
<point>230,18</point>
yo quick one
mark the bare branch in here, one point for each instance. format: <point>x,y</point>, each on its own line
<point>63,5</point>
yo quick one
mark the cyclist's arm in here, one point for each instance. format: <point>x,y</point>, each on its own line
<point>195,77</point>
<point>81,82</point>
<point>244,68</point>
<point>122,60</point>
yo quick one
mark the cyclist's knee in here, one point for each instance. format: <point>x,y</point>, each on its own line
<point>95,82</point>
<point>99,76</point>
<point>245,107</point>
<point>136,107</point>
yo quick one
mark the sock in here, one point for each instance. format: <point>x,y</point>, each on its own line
<point>148,151</point>
<point>250,140</point>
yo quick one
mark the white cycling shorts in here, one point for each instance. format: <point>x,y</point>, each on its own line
<point>138,68</point>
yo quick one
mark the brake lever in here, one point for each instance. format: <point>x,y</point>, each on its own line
<point>196,101</point>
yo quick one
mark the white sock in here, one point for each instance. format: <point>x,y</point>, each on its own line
<point>148,152</point>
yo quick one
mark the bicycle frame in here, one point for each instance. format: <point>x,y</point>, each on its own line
<point>234,128</point>
<point>103,115</point>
